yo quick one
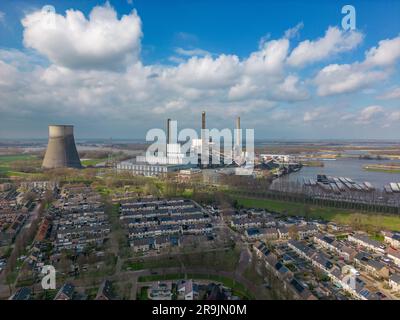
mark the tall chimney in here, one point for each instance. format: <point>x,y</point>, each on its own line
<point>168,131</point>
<point>238,135</point>
<point>203,120</point>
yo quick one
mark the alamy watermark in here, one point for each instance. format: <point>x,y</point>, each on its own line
<point>213,147</point>
<point>49,278</point>
<point>349,20</point>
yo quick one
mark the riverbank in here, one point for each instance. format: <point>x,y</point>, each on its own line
<point>387,168</point>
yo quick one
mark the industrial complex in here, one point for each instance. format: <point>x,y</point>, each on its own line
<point>201,154</point>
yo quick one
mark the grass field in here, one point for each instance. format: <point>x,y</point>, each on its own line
<point>92,162</point>
<point>218,260</point>
<point>238,288</point>
<point>7,160</point>
<point>383,170</point>
<point>341,216</point>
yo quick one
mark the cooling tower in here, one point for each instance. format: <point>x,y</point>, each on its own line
<point>61,150</point>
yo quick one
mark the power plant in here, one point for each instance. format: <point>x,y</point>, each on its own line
<point>203,153</point>
<point>61,150</point>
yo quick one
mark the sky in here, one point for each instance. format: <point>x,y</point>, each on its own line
<point>121,67</point>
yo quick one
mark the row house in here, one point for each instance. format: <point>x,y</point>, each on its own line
<point>368,243</point>
<point>392,238</point>
<point>154,231</point>
<point>199,228</point>
<point>394,255</point>
<point>322,262</point>
<point>394,282</point>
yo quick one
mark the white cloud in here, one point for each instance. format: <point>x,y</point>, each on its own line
<point>101,42</point>
<point>313,115</point>
<point>391,94</point>
<point>192,52</point>
<point>387,53</point>
<point>270,59</point>
<point>369,114</point>
<point>345,78</point>
<point>377,66</point>
<point>294,32</point>
<point>334,41</point>
<point>2,17</point>
<point>394,116</point>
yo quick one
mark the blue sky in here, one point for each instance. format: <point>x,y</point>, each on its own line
<point>203,55</point>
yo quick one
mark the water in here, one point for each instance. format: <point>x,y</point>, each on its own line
<point>345,167</point>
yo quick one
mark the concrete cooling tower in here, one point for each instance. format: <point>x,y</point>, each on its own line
<point>61,150</point>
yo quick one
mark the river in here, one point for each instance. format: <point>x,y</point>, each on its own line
<point>345,167</point>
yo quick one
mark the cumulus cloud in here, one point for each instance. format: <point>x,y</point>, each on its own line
<point>345,78</point>
<point>391,94</point>
<point>192,52</point>
<point>334,41</point>
<point>385,54</point>
<point>269,59</point>
<point>294,32</point>
<point>313,115</point>
<point>377,66</point>
<point>369,114</point>
<point>101,42</point>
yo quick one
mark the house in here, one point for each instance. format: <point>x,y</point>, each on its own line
<point>347,253</point>
<point>366,242</point>
<point>66,292</point>
<point>161,242</point>
<point>325,241</point>
<point>270,233</point>
<point>394,255</point>
<point>394,282</point>
<point>303,292</point>
<point>253,233</point>
<point>22,294</point>
<point>142,244</point>
<point>392,238</point>
<point>161,291</point>
<point>361,258</point>
<point>283,233</point>
<point>377,269</point>
<point>105,291</point>
<point>187,289</point>
<point>306,231</point>
<point>283,272</point>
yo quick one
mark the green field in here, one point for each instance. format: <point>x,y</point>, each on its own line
<point>382,170</point>
<point>238,288</point>
<point>7,159</point>
<point>218,260</point>
<point>6,164</point>
<point>92,162</point>
<point>342,216</point>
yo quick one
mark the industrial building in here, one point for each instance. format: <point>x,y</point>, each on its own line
<point>61,150</point>
<point>172,158</point>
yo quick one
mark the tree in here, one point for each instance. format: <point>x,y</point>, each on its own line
<point>10,279</point>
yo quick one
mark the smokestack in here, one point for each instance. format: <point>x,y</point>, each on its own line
<point>61,150</point>
<point>168,131</point>
<point>238,135</point>
<point>203,120</point>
